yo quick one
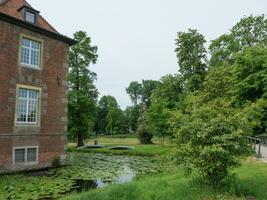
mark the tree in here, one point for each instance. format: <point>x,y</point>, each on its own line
<point>144,135</point>
<point>82,91</point>
<point>249,88</point>
<point>114,118</point>
<point>110,117</point>
<point>191,55</point>
<point>147,87</point>
<point>134,91</point>
<point>132,115</point>
<point>102,111</point>
<point>250,75</point>
<point>218,82</point>
<point>140,94</point>
<point>165,97</point>
<point>249,31</point>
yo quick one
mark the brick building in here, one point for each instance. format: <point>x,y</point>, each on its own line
<point>33,89</point>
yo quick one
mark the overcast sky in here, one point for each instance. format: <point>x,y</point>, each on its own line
<point>136,37</point>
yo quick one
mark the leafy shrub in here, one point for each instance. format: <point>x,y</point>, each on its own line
<point>209,140</point>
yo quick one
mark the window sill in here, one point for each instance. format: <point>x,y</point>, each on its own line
<point>27,125</point>
<point>30,66</point>
<point>26,164</point>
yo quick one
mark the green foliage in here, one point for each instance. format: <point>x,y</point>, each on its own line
<point>210,139</point>
<point>158,116</point>
<point>169,88</point>
<point>250,75</point>
<point>256,114</point>
<point>82,92</point>
<point>218,82</point>
<point>134,90</point>
<point>132,115</point>
<point>249,31</point>
<point>167,95</point>
<point>141,92</point>
<point>191,55</point>
<point>110,118</point>
<point>148,86</point>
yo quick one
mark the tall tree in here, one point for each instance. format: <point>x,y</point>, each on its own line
<point>82,91</point>
<point>110,118</point>
<point>191,55</point>
<point>134,91</point>
<point>102,111</point>
<point>249,31</point>
<point>132,115</point>
<point>147,87</point>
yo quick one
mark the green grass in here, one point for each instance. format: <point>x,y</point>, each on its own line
<point>251,182</point>
<point>157,148</point>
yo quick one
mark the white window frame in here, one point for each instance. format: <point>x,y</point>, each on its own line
<point>38,110</point>
<point>25,155</point>
<point>30,52</point>
<point>27,105</point>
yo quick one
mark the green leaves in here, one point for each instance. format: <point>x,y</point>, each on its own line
<point>82,91</point>
<point>191,55</point>
<point>249,31</point>
<point>250,75</point>
<point>209,140</point>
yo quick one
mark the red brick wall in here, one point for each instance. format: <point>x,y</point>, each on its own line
<point>51,79</point>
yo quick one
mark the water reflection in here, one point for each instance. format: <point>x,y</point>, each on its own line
<point>127,175</point>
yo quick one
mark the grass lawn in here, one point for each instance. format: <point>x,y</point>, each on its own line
<point>251,182</point>
<point>130,140</point>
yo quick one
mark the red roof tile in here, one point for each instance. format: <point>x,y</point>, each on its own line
<point>11,7</point>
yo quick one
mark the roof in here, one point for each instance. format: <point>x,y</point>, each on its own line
<point>10,9</point>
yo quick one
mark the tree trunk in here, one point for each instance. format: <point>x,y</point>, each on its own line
<point>80,139</point>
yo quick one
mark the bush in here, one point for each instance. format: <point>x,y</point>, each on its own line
<point>209,141</point>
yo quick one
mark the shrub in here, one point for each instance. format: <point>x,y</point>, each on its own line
<point>209,140</point>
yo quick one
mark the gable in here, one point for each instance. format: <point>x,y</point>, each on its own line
<point>11,8</point>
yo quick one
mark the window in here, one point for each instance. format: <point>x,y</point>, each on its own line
<point>19,155</point>
<point>25,155</point>
<point>27,111</point>
<point>30,52</point>
<point>30,17</point>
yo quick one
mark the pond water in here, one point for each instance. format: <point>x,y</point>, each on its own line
<point>86,171</point>
<point>127,175</point>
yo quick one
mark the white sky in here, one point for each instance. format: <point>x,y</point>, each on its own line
<point>136,37</point>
